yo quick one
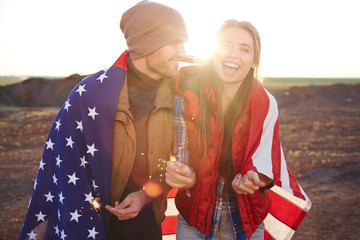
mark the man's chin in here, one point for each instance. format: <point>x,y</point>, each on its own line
<point>172,75</point>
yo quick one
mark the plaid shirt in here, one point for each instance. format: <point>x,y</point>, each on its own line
<point>182,155</point>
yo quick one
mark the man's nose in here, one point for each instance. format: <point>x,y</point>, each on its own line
<point>181,50</point>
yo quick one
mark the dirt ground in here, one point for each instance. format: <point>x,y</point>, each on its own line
<point>321,141</point>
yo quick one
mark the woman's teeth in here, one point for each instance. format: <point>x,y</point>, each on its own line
<point>231,65</point>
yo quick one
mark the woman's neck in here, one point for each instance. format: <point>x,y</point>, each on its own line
<point>228,94</point>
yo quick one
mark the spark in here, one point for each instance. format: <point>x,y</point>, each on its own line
<point>172,158</point>
<point>95,203</point>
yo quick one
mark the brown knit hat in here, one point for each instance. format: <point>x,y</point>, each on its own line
<point>148,26</point>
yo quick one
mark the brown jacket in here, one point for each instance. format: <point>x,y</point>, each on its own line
<point>160,137</point>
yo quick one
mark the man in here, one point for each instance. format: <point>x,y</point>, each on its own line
<point>108,138</point>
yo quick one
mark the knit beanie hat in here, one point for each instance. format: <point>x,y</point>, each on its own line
<point>148,26</point>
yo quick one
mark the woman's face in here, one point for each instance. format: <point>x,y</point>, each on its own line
<point>234,56</point>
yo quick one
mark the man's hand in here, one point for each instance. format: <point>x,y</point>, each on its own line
<point>130,207</point>
<point>179,175</point>
<point>248,183</point>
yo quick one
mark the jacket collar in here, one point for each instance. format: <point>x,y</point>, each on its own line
<point>164,97</point>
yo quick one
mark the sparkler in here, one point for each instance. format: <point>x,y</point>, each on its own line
<point>172,158</point>
<point>152,187</point>
<point>96,205</point>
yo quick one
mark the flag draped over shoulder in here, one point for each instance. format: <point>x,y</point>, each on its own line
<point>72,185</point>
<point>289,203</point>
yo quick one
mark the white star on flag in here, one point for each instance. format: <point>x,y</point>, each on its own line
<point>63,235</point>
<point>40,216</point>
<point>35,183</point>
<point>69,142</point>
<point>102,77</point>
<point>92,233</point>
<point>91,149</point>
<point>80,126</point>
<point>94,185</point>
<point>73,178</point>
<point>57,230</point>
<point>81,89</point>
<point>75,216</point>
<point>32,235</point>
<point>83,162</point>
<point>92,112</point>
<point>61,198</point>
<point>55,179</point>
<point>42,164</point>
<point>67,105</point>
<point>88,197</point>
<point>58,124</point>
<point>58,160</point>
<point>49,144</point>
<point>49,197</point>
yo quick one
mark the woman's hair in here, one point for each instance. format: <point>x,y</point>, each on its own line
<point>236,108</point>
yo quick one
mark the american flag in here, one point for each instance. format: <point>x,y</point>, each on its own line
<point>72,185</point>
<point>289,204</point>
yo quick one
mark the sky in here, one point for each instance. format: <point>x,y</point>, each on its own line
<point>300,38</point>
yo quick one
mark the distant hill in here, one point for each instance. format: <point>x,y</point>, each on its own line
<point>335,93</point>
<point>39,91</point>
<point>286,82</point>
<point>53,92</point>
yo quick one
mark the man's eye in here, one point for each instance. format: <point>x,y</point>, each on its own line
<point>224,45</point>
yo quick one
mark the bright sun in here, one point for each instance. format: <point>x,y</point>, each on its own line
<point>200,44</point>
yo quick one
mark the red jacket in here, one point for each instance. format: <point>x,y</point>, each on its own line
<point>198,209</point>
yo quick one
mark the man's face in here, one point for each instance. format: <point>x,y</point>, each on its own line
<point>164,62</point>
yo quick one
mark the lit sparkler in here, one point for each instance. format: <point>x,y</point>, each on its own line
<point>172,158</point>
<point>152,187</point>
<point>96,205</point>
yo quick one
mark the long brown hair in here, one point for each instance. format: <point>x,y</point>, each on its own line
<point>236,108</point>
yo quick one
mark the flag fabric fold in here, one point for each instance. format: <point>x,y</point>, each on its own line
<point>72,185</point>
<point>290,203</point>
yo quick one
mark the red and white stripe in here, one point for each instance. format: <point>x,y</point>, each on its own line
<point>289,203</point>
<point>170,221</point>
<point>285,215</point>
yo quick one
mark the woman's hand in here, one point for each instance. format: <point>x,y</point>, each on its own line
<point>179,175</point>
<point>248,183</point>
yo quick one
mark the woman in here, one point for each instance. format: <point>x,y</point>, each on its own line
<point>227,142</point>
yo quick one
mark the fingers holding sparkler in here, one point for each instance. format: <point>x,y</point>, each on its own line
<point>179,175</point>
<point>129,207</point>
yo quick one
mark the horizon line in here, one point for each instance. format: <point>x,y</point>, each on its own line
<point>65,76</point>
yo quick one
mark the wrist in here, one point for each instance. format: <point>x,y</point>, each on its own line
<point>143,195</point>
<point>262,190</point>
